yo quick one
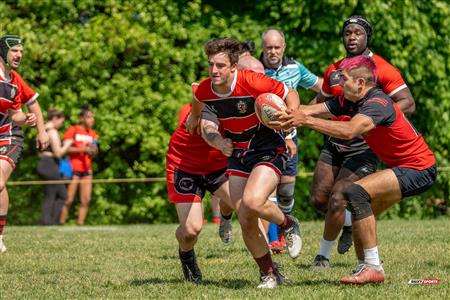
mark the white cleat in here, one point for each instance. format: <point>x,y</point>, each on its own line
<point>293,238</point>
<point>2,245</point>
<point>268,281</point>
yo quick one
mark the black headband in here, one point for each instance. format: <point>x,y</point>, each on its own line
<point>361,21</point>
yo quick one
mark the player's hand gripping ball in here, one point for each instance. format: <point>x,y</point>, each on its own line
<point>267,105</point>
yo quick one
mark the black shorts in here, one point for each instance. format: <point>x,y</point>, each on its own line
<point>241,163</point>
<point>292,163</point>
<point>413,182</point>
<point>361,163</point>
<point>184,187</point>
<point>11,153</point>
<point>82,174</point>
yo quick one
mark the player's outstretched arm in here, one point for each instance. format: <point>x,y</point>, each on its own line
<point>346,130</point>
<point>42,140</point>
<point>292,99</point>
<point>211,134</point>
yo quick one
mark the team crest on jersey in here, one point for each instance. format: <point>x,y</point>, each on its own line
<point>13,92</point>
<point>3,150</point>
<point>242,107</point>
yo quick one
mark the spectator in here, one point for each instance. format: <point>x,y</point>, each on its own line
<point>48,169</point>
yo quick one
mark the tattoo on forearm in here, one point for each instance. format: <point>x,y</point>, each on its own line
<point>211,134</point>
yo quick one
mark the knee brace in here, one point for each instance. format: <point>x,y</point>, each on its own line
<point>358,201</point>
<point>285,195</point>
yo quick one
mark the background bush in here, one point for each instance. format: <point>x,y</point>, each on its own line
<point>133,62</point>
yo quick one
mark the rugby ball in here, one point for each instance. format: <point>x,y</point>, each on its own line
<point>266,107</point>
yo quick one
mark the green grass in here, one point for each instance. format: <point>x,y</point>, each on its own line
<point>138,262</point>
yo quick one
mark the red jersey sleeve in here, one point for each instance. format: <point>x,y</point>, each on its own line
<point>70,133</point>
<point>260,83</point>
<point>331,78</point>
<point>26,94</point>
<point>390,79</point>
<point>183,113</point>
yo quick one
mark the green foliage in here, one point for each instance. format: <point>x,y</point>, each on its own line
<point>133,61</point>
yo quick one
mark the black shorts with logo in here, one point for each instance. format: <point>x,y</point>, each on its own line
<point>11,153</point>
<point>241,163</point>
<point>185,187</point>
<point>361,162</point>
<point>413,182</point>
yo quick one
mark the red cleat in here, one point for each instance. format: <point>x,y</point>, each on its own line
<point>282,241</point>
<point>276,247</point>
<point>365,274</point>
<point>216,220</point>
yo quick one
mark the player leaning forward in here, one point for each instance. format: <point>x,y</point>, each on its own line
<point>14,93</point>
<point>256,154</point>
<point>411,164</point>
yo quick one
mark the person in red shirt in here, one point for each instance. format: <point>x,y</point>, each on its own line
<point>192,168</point>
<point>14,93</point>
<point>84,147</point>
<point>342,162</point>
<point>374,116</point>
<point>256,154</point>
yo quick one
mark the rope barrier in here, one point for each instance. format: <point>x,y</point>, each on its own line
<point>133,180</point>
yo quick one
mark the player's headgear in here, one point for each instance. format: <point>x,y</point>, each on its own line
<point>6,43</point>
<point>361,21</point>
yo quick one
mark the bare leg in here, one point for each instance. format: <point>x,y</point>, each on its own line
<point>260,184</point>
<point>323,181</point>
<point>5,172</point>
<point>71,192</point>
<point>190,216</point>
<point>85,198</point>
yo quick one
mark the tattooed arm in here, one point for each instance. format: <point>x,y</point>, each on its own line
<point>211,134</point>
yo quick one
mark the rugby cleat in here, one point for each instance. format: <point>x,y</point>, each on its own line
<point>225,230</point>
<point>345,240</point>
<point>276,247</point>
<point>191,271</point>
<point>268,281</point>
<point>320,263</point>
<point>366,274</point>
<point>293,238</point>
<point>282,241</point>
<point>2,245</point>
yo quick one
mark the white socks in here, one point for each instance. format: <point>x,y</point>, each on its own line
<point>325,248</point>
<point>348,218</point>
<point>371,256</point>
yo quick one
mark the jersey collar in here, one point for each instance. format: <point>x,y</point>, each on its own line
<point>233,85</point>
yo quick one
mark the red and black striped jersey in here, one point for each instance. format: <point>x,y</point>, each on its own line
<point>23,94</point>
<point>235,111</point>
<point>394,139</point>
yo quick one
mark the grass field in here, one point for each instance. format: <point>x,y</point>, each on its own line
<point>137,262</point>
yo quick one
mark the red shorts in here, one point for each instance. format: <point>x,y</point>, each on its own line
<point>184,187</point>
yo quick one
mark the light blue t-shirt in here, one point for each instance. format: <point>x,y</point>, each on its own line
<point>293,74</point>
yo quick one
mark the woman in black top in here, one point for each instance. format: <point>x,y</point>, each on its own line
<point>48,169</point>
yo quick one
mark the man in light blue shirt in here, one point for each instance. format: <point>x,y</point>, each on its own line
<point>294,75</point>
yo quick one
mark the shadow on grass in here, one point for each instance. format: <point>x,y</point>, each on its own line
<point>318,282</point>
<point>234,284</point>
<point>333,265</point>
